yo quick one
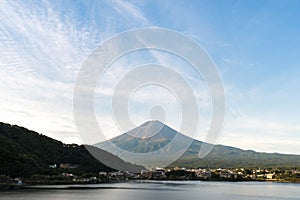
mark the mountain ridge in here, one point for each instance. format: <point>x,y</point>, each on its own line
<point>221,155</point>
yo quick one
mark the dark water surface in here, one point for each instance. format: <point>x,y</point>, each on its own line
<point>163,190</point>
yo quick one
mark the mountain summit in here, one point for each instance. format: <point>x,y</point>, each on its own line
<point>154,135</point>
<point>148,137</point>
<point>152,129</point>
<point>148,129</point>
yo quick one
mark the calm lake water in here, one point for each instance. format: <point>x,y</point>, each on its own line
<point>163,190</point>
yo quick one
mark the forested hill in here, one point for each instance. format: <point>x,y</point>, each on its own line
<point>24,152</point>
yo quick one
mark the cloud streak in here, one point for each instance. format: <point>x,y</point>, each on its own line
<point>39,63</point>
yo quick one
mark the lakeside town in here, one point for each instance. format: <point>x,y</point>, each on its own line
<point>239,174</point>
<point>176,173</point>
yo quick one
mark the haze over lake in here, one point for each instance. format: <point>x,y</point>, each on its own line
<point>165,190</point>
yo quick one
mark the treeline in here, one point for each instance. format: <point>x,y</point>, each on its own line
<point>24,153</point>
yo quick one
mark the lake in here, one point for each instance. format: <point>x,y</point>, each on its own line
<point>162,190</point>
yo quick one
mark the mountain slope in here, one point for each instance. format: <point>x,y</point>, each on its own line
<point>231,157</point>
<point>221,156</point>
<point>138,140</point>
<point>24,152</point>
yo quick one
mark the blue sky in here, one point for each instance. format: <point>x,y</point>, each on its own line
<point>254,44</point>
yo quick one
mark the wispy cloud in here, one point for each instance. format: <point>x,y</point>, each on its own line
<point>38,39</point>
<point>43,47</point>
<point>128,9</point>
<point>45,50</point>
<point>42,53</point>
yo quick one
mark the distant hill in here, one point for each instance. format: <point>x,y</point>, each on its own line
<point>221,156</point>
<point>24,152</point>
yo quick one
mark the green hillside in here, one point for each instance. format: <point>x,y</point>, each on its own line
<point>24,152</point>
<point>230,157</point>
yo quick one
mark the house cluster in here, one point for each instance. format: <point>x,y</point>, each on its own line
<point>191,174</point>
<point>102,177</point>
<point>116,176</point>
<point>239,173</point>
<point>64,166</point>
<point>211,174</point>
<point>262,174</point>
<point>177,173</point>
<point>158,173</point>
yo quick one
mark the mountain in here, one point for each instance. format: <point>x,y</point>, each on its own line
<point>136,141</point>
<point>24,152</point>
<point>148,137</point>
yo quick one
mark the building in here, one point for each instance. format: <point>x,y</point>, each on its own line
<point>270,176</point>
<point>203,174</point>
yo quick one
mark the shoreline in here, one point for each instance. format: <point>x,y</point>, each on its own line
<point>73,186</point>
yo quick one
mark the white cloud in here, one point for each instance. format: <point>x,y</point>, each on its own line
<point>41,54</point>
<point>128,9</point>
<point>42,49</point>
<point>252,132</point>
